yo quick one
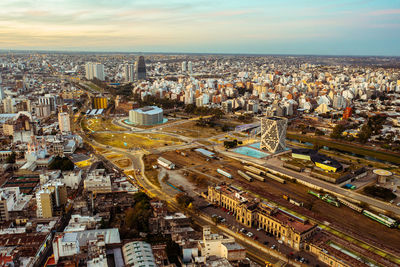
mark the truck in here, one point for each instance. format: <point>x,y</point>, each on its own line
<point>349,186</point>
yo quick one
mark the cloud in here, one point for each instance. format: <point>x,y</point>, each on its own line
<point>385,12</point>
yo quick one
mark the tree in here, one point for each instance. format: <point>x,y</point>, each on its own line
<point>63,164</point>
<point>338,131</point>
<point>11,158</point>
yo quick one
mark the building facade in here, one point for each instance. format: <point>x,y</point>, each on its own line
<point>291,230</point>
<point>94,70</point>
<point>100,102</point>
<point>64,122</point>
<point>140,68</point>
<point>149,115</point>
<point>273,134</point>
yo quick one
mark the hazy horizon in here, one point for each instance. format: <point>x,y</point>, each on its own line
<point>304,27</point>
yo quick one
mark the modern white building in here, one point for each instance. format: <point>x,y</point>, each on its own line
<point>138,253</point>
<point>184,66</point>
<point>273,134</point>
<point>190,67</point>
<point>64,122</point>
<point>149,115</point>
<point>94,70</point>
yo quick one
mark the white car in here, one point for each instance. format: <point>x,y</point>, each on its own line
<point>250,234</point>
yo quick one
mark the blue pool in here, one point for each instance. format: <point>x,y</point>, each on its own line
<point>247,151</point>
<point>256,145</point>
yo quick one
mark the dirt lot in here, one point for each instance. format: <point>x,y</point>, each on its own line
<point>189,129</point>
<point>123,163</point>
<point>342,218</point>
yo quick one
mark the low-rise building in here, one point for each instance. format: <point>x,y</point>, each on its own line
<point>286,227</point>
<point>138,253</point>
<point>98,181</point>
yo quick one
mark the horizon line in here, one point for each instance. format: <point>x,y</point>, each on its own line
<point>190,53</point>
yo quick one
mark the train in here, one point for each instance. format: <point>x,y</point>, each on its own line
<point>327,198</point>
<point>293,167</point>
<point>245,176</point>
<point>350,205</point>
<point>383,219</point>
<point>224,173</point>
<point>254,170</point>
<point>276,178</point>
<point>255,176</point>
<point>293,201</point>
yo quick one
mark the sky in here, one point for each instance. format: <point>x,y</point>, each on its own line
<point>317,27</point>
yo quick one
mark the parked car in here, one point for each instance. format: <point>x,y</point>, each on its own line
<point>266,243</point>
<point>273,247</point>
<point>259,229</point>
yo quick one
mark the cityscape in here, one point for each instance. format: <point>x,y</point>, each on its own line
<point>200,157</point>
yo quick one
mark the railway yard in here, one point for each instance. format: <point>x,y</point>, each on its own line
<point>343,218</point>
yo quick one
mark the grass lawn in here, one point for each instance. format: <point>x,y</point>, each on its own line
<point>145,141</point>
<point>101,125</point>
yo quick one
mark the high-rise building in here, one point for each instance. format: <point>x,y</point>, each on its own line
<point>190,67</point>
<point>44,203</point>
<point>140,68</point>
<point>273,134</point>
<point>64,122</point>
<point>129,72</point>
<point>94,70</point>
<point>1,89</point>
<point>184,66</point>
<point>50,198</point>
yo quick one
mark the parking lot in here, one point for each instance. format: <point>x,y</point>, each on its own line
<point>225,217</point>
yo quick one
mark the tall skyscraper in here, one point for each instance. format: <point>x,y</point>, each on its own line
<point>129,72</point>
<point>94,70</point>
<point>184,66</point>
<point>64,122</point>
<point>273,134</point>
<point>1,89</point>
<point>190,67</point>
<point>140,69</point>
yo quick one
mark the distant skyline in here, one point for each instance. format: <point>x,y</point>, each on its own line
<point>337,27</point>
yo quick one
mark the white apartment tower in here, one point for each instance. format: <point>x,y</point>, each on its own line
<point>184,66</point>
<point>129,72</point>
<point>64,122</point>
<point>94,70</point>
<point>273,134</point>
<point>190,67</point>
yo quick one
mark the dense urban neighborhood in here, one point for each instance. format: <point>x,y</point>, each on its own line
<point>120,159</point>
